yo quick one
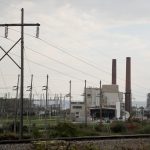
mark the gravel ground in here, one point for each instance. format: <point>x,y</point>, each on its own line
<point>129,144</point>
<point>16,147</point>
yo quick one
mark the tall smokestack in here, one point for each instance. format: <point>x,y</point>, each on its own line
<point>128,102</point>
<point>113,71</point>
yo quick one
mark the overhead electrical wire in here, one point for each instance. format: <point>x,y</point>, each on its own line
<point>69,53</point>
<point>81,59</point>
<point>66,53</point>
<point>49,68</point>
<point>68,66</point>
<point>34,51</point>
<point>46,66</point>
<point>77,58</point>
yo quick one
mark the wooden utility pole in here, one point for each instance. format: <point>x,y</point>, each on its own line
<point>16,103</point>
<point>22,25</point>
<point>85,102</point>
<point>46,104</point>
<point>100,101</point>
<point>60,105</point>
<point>30,102</point>
<point>64,105</point>
<point>46,97</point>
<point>70,98</point>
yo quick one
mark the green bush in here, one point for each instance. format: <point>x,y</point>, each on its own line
<point>1,130</point>
<point>87,132</point>
<point>9,126</point>
<point>35,131</point>
<point>118,127</point>
<point>133,127</point>
<point>99,127</point>
<point>145,130</point>
<point>64,130</point>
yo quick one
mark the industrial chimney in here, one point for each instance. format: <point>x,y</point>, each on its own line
<point>113,71</point>
<point>128,102</point>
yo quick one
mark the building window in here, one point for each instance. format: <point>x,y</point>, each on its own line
<point>89,95</point>
<point>77,107</point>
<point>77,113</point>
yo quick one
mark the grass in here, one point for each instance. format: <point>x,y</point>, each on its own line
<point>58,127</point>
<point>40,122</point>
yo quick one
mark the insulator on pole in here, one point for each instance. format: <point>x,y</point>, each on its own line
<point>6,31</point>
<point>37,32</point>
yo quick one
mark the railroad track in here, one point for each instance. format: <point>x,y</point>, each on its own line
<point>87,138</point>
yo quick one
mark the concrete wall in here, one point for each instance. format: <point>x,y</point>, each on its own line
<point>111,95</point>
<point>78,111</point>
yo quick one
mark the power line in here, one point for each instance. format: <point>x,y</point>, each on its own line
<point>5,3</point>
<point>46,66</point>
<point>64,63</point>
<point>65,51</point>
<point>85,73</point>
<point>77,58</point>
<point>49,68</point>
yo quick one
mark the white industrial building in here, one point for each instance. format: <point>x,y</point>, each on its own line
<point>110,97</point>
<point>78,111</point>
<point>110,103</point>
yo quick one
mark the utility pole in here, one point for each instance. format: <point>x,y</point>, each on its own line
<point>16,102</point>
<point>70,98</point>
<point>100,102</point>
<point>60,105</point>
<point>64,105</point>
<point>55,102</point>
<point>46,89</point>
<point>22,25</point>
<point>85,101</point>
<point>30,101</point>
<point>57,106</point>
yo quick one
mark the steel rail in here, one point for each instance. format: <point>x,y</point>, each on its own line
<point>86,138</point>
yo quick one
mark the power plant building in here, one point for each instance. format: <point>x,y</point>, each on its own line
<point>110,96</point>
<point>110,103</point>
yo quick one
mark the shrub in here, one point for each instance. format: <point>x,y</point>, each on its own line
<point>9,126</point>
<point>1,130</point>
<point>35,131</point>
<point>99,127</point>
<point>133,126</point>
<point>118,126</point>
<point>145,130</point>
<point>64,130</point>
<point>87,132</point>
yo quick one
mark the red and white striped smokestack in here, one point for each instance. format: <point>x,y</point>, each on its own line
<point>114,69</point>
<point>128,102</point>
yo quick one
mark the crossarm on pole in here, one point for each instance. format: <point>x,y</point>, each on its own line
<point>18,24</point>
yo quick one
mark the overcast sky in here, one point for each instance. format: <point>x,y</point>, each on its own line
<point>79,39</point>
